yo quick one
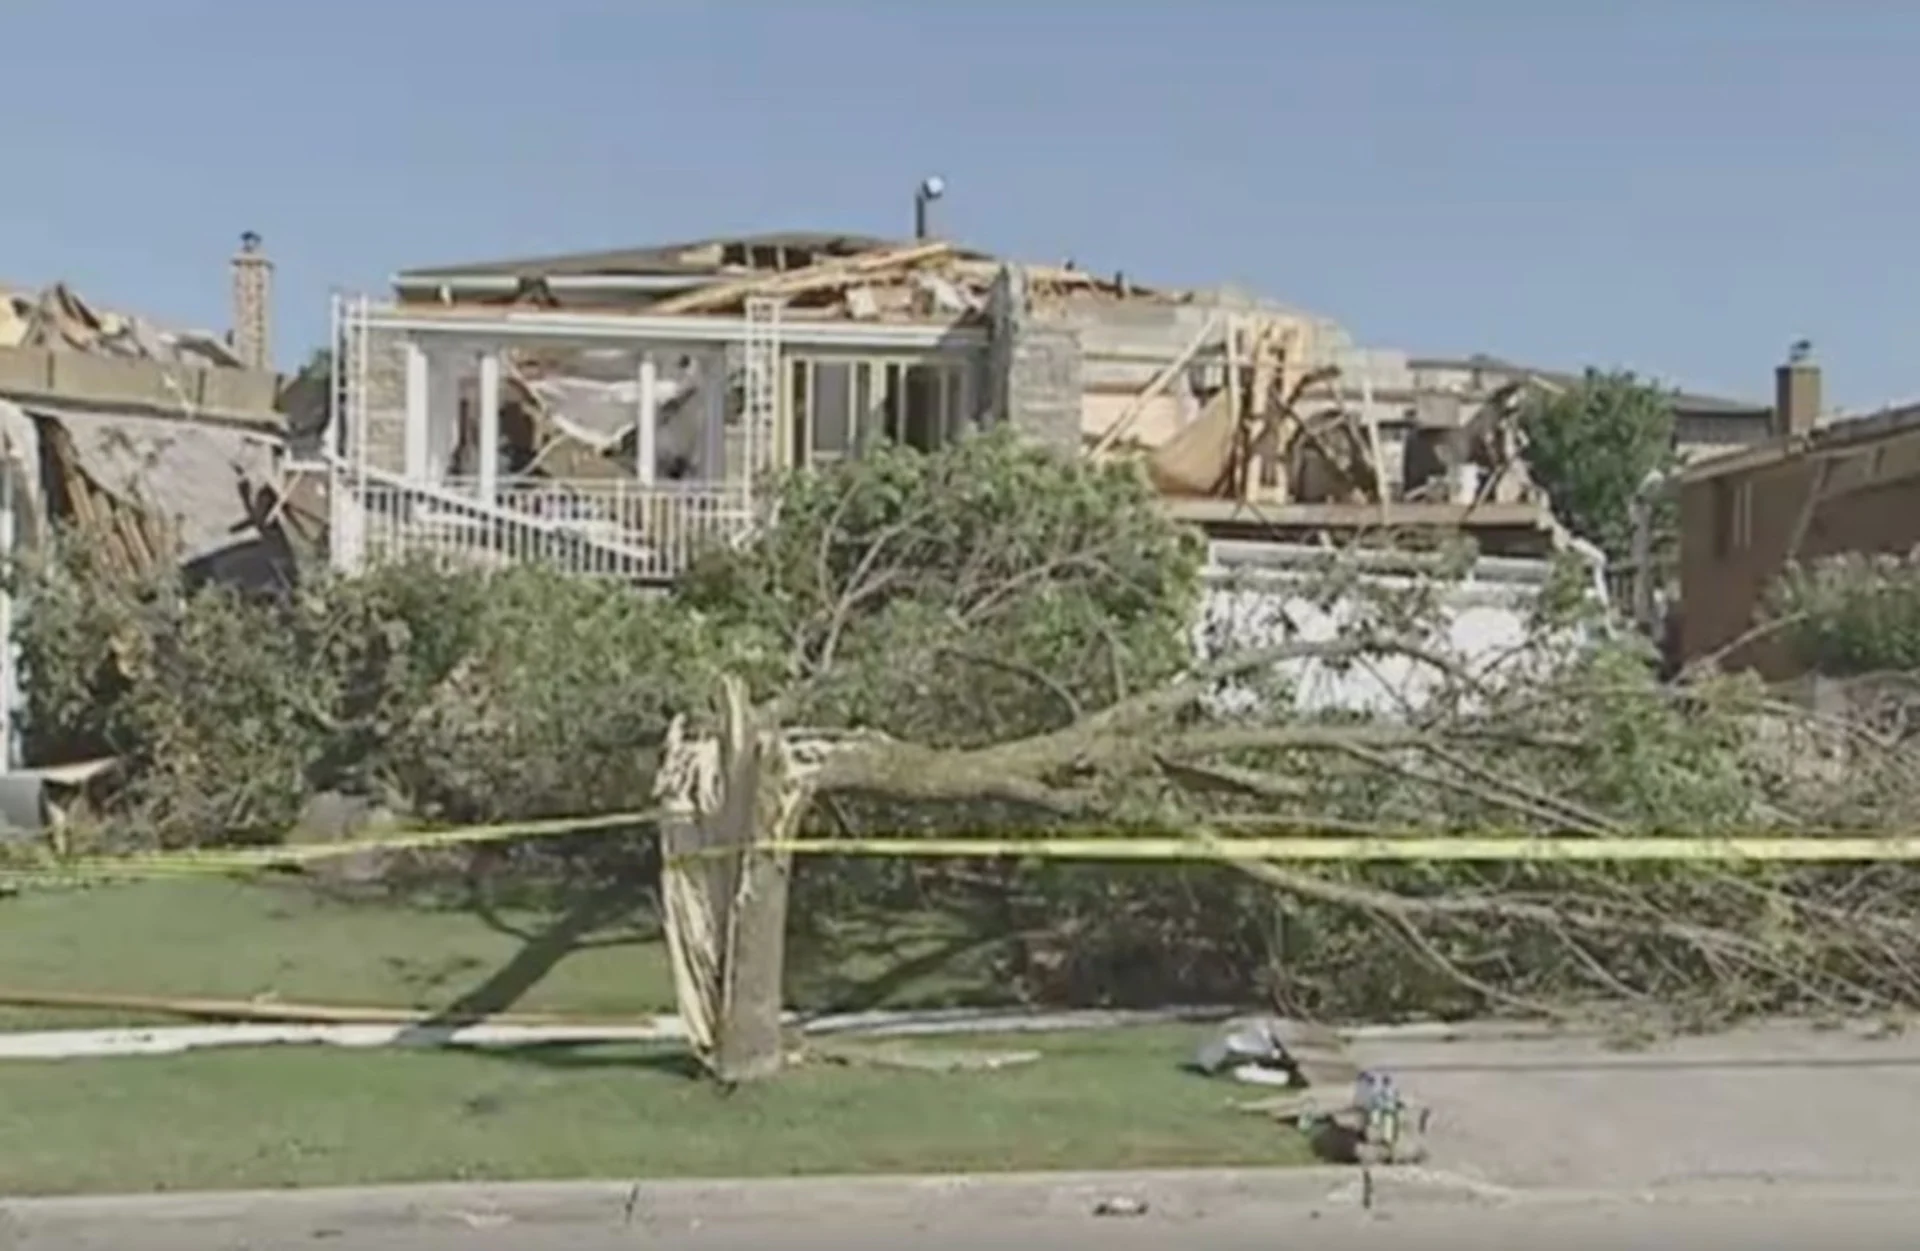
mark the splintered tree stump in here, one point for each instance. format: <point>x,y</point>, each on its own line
<point>730,800</point>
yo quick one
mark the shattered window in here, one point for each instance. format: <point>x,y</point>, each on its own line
<point>832,409</point>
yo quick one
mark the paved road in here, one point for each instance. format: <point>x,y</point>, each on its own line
<point>1785,1226</point>
<point>1779,1102</point>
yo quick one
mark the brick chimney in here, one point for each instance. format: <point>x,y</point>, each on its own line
<point>1796,391</point>
<point>252,332</point>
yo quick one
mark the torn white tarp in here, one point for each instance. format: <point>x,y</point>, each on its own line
<point>600,414</point>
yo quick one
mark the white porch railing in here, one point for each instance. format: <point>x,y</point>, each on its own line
<point>610,528</point>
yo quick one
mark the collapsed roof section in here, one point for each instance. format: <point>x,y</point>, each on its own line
<point>155,446</point>
<point>56,345</point>
<point>57,318</point>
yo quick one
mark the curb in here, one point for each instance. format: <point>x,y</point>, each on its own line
<point>173,1039</point>
<point>685,1204</point>
<point>956,1201</point>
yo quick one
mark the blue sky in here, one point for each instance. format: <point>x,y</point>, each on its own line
<point>1681,186</point>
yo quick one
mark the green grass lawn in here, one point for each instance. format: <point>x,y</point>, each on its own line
<point>227,939</point>
<point>314,1116</point>
<point>317,1116</point>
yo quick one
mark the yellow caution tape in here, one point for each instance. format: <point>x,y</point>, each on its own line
<point>1115,848</point>
<point>1313,849</point>
<point>227,861</point>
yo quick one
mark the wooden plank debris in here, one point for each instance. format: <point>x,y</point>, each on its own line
<point>825,276</point>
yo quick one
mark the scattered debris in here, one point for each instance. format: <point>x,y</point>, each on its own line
<point>1273,1051</point>
<point>896,1055</point>
<point>1351,1115</point>
<point>41,805</point>
<point>1880,1030</point>
<point>1120,1205</point>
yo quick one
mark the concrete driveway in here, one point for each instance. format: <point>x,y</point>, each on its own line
<point>1764,1104</point>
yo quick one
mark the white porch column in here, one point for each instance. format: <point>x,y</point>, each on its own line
<point>443,413</point>
<point>489,426</point>
<point>646,444</point>
<point>418,415</point>
<point>713,433</point>
<point>346,522</point>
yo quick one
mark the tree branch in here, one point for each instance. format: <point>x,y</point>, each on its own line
<point>1494,795</point>
<point>1583,816</point>
<point>1229,779</point>
<point>875,765</point>
<point>1326,891</point>
<point>1051,685</point>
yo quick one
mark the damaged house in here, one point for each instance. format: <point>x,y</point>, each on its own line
<point>615,411</point>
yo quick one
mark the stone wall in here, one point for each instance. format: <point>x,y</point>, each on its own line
<point>384,402</point>
<point>1035,368</point>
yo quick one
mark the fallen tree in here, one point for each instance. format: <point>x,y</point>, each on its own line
<point>1568,735</point>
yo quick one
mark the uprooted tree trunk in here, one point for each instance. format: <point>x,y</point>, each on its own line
<point>729,800</point>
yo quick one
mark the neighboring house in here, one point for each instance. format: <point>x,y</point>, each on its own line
<point>157,448</point>
<point>1812,490</point>
<point>1704,425</point>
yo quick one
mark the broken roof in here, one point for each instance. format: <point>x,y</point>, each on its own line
<point>58,318</point>
<point>1693,403</point>
<point>788,249</point>
<point>59,348</point>
<point>844,277</point>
